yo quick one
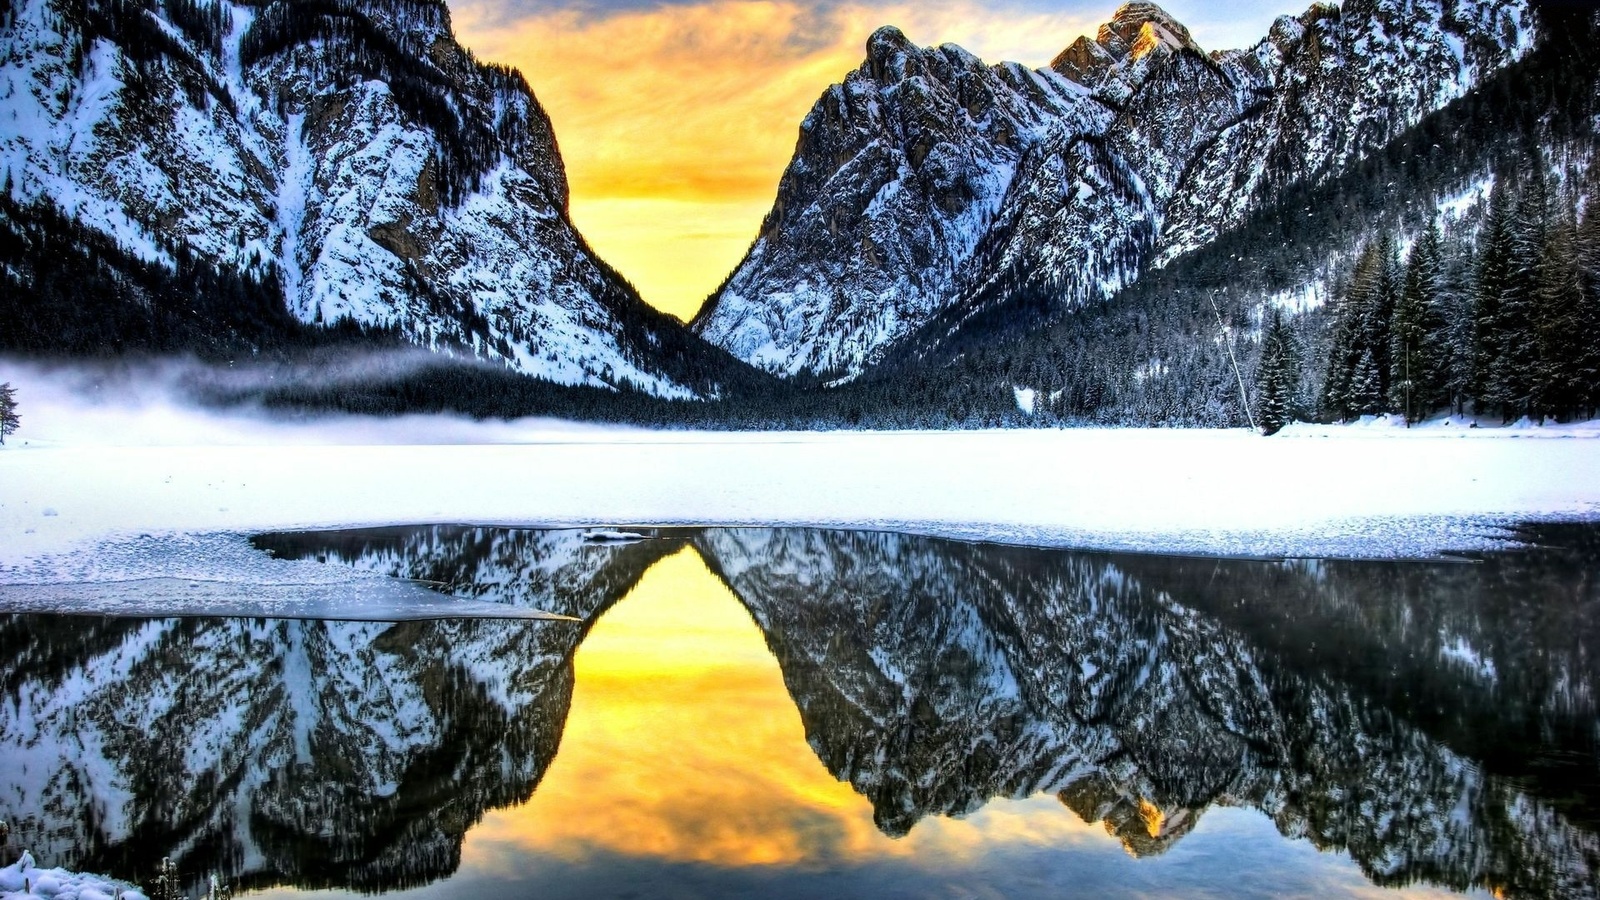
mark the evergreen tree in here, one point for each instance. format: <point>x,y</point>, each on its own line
<point>1495,252</point>
<point>1361,335</point>
<point>1587,256</point>
<point>1379,317</point>
<point>1277,377</point>
<point>1455,306</point>
<point>1366,386</point>
<point>1559,388</point>
<point>9,420</point>
<point>1418,344</point>
<point>1340,364</point>
<point>1511,380</point>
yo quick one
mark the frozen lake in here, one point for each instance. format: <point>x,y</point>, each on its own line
<point>817,712</point>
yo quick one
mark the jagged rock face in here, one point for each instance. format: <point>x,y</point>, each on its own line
<point>899,173</point>
<point>934,676</point>
<point>322,754</point>
<point>1130,149</point>
<point>1330,86</point>
<point>353,148</point>
<point>1116,61</point>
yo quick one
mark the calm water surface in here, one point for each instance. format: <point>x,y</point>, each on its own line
<point>798,712</point>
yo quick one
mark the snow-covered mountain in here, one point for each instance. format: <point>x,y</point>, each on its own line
<point>352,150</point>
<point>322,754</point>
<point>934,676</point>
<point>928,177</point>
<point>1419,718</point>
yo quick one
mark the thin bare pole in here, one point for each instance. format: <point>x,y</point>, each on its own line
<point>1408,383</point>
<point>1244,397</point>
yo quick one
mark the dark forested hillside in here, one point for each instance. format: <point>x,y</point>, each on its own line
<point>67,289</point>
<point>1158,352</point>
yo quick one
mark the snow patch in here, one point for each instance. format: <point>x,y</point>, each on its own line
<point>23,880</point>
<point>1379,488</point>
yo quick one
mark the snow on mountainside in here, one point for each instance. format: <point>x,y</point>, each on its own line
<point>271,743</point>
<point>934,676</point>
<point>928,176</point>
<point>352,149</point>
<point>931,675</point>
<point>899,173</point>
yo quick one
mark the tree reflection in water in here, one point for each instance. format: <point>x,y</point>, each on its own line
<point>1436,721</point>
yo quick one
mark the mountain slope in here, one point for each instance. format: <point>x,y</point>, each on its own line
<point>349,151</point>
<point>320,754</point>
<point>935,676</point>
<point>899,173</point>
<point>1156,353</point>
<point>1131,149</point>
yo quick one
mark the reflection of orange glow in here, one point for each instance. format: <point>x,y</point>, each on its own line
<point>682,744</point>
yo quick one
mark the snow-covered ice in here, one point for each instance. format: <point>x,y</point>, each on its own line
<point>22,879</point>
<point>144,488</point>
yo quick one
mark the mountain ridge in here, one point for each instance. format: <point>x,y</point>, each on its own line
<point>1107,180</point>
<point>349,152</point>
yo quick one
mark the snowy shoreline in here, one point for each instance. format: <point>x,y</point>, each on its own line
<point>1308,492</point>
<point>23,879</point>
<point>141,486</point>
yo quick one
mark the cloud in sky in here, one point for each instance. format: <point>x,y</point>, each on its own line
<point>676,117</point>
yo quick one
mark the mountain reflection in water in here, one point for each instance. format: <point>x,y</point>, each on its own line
<point>806,712</point>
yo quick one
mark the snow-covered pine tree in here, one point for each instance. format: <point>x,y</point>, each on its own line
<point>9,419</point>
<point>1277,376</point>
<point>1511,381</point>
<point>1493,273</point>
<point>1361,333</point>
<point>1366,386</point>
<point>1455,308</point>
<point>1418,348</point>
<point>1559,389</point>
<point>1587,251</point>
<point>1379,319</point>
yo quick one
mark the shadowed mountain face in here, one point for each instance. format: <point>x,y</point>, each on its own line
<point>349,157</point>
<point>1400,712</point>
<point>1436,721</point>
<point>322,754</point>
<point>928,178</point>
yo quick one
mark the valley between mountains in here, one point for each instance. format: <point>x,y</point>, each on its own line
<point>1104,240</point>
<point>1169,469</point>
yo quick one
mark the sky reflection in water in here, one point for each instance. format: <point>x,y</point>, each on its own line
<point>803,712</point>
<point>684,750</point>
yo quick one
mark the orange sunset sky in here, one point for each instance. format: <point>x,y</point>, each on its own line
<point>676,119</point>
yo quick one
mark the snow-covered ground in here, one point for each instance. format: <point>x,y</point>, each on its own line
<point>23,879</point>
<point>139,487</point>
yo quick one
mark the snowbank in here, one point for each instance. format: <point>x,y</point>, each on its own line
<point>23,879</point>
<point>98,491</point>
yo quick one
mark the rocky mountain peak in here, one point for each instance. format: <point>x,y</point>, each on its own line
<point>928,180</point>
<point>1134,31</point>
<point>889,53</point>
<point>1135,23</point>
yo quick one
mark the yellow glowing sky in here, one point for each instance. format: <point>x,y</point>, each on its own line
<point>676,119</point>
